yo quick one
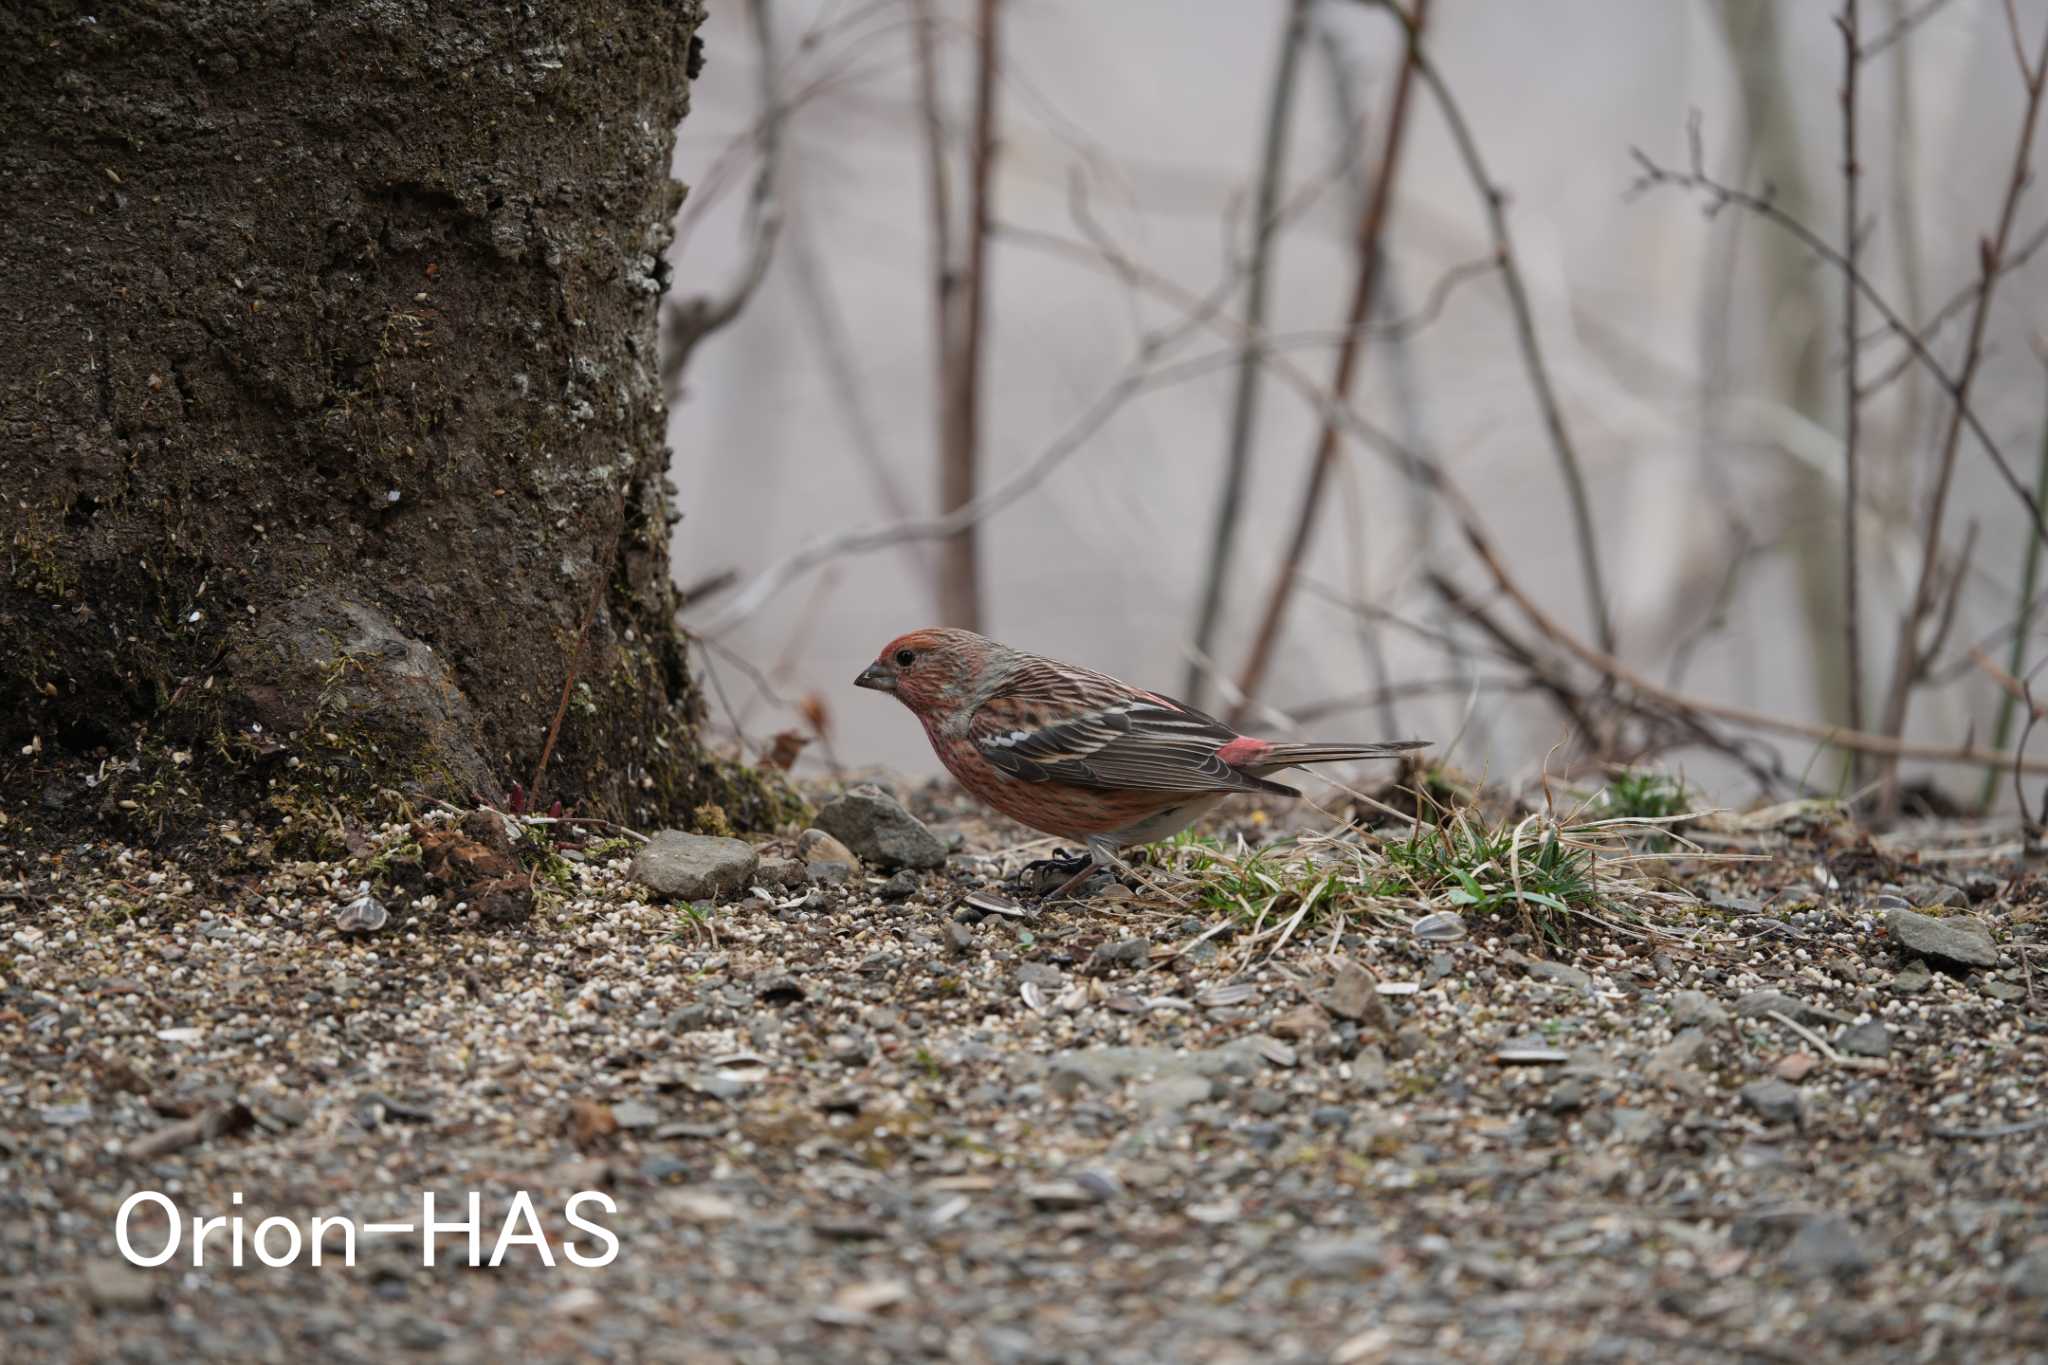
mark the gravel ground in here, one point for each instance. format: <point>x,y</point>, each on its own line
<point>842,1122</point>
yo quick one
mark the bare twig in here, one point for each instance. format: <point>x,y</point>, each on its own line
<point>1372,222</point>
<point>1852,58</point>
<point>568,682</point>
<point>2030,571</point>
<point>2021,254</point>
<point>1494,199</point>
<point>1826,1048</point>
<point>1244,405</point>
<point>1905,24</point>
<point>1910,656</point>
<point>1888,746</point>
<point>688,322</point>
<point>836,350</point>
<point>1721,196</point>
<point>959,586</point>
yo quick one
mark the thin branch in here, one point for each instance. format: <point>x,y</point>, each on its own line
<point>2030,572</point>
<point>1852,607</point>
<point>689,322</point>
<point>1494,198</point>
<point>1909,658</point>
<point>1372,223</point>
<point>835,345</point>
<point>2019,257</point>
<point>1244,405</point>
<point>959,584</point>
<point>1887,746</point>
<point>945,266</point>
<point>1721,196</point>
<point>1905,25</point>
<point>547,749</point>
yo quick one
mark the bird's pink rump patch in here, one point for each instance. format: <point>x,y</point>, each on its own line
<point>1243,751</point>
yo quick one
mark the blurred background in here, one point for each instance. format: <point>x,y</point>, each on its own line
<point>1141,218</point>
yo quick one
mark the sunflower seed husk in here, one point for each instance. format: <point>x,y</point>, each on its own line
<point>1442,927</point>
<point>990,903</point>
<point>1034,997</point>
<point>1277,1052</point>
<point>1531,1056</point>
<point>363,915</point>
<point>1230,993</point>
<point>1400,987</point>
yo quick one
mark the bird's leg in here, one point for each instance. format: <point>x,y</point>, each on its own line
<point>1102,856</point>
<point>1061,863</point>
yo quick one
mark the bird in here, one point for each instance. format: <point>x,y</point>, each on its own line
<point>1078,754</point>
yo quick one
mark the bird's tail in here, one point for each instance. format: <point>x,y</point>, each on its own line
<point>1288,755</point>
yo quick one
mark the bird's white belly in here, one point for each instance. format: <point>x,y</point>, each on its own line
<point>1171,821</point>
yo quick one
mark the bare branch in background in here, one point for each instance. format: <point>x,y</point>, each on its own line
<point>2015,260</point>
<point>2030,573</point>
<point>1372,223</point>
<point>945,266</point>
<point>1852,577</point>
<point>1901,26</point>
<point>1347,123</point>
<point>1495,201</point>
<point>1886,746</point>
<point>959,586</point>
<point>1245,402</point>
<point>688,322</point>
<point>1720,196</point>
<point>1910,656</point>
<point>836,349</point>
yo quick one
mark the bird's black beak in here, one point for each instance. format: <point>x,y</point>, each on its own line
<point>877,678</point>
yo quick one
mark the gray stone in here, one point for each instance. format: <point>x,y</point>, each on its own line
<point>1635,1125</point>
<point>1870,1039</point>
<point>1560,973</point>
<point>1953,942</point>
<point>1265,1103</point>
<point>1674,1063</point>
<point>876,827</point>
<point>2005,990</point>
<point>1913,979</point>
<point>1126,951</point>
<point>849,1049</point>
<point>900,887</point>
<point>830,872</point>
<point>120,1287</point>
<point>1567,1096</point>
<point>694,867</point>
<point>1340,1257</point>
<point>1171,1094</point>
<point>1827,1245</point>
<point>1774,1101</point>
<point>634,1114</point>
<point>2029,1277</point>
<point>779,872</point>
<point>1757,1004</point>
<point>1101,1067</point>
<point>1697,1009</point>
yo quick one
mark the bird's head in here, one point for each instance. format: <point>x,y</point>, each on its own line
<point>930,670</point>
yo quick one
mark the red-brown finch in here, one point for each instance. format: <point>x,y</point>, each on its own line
<point>1076,753</point>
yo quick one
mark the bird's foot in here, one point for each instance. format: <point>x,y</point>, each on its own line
<point>1059,875</point>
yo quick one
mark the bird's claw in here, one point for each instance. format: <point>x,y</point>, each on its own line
<point>1061,872</point>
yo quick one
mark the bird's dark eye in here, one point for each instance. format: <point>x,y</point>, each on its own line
<point>905,658</point>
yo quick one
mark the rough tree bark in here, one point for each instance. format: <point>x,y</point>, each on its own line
<point>329,420</point>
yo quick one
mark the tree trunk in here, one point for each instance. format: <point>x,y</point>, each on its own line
<point>332,441</point>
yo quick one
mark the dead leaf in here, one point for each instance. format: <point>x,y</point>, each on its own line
<point>784,748</point>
